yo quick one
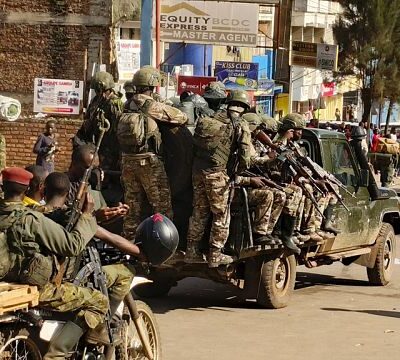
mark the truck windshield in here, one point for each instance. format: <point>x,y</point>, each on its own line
<point>342,163</point>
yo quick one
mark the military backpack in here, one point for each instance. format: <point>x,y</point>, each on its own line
<point>21,259</point>
<point>387,146</point>
<point>138,133</point>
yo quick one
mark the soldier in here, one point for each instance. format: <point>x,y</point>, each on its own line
<point>129,92</point>
<point>143,173</point>
<point>215,95</point>
<point>39,237</point>
<point>326,201</point>
<point>35,193</point>
<point>221,146</point>
<point>267,199</point>
<point>106,104</point>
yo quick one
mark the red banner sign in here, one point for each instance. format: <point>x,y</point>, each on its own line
<point>328,89</point>
<point>195,84</point>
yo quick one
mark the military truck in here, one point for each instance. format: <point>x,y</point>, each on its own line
<point>268,273</point>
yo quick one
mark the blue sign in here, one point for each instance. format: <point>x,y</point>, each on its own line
<point>237,75</point>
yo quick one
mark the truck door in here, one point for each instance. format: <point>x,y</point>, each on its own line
<point>353,223</point>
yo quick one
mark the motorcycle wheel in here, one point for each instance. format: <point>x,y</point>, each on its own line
<point>16,345</point>
<point>131,347</point>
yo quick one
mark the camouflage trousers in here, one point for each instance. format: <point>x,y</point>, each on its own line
<point>279,202</point>
<point>294,196</point>
<point>210,193</point>
<point>306,213</point>
<point>90,305</point>
<point>325,201</point>
<point>144,180</point>
<point>262,200</point>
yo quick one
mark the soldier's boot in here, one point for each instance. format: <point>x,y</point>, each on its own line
<point>288,224</point>
<point>260,239</point>
<point>64,341</point>
<point>328,223</point>
<point>217,258</point>
<point>302,237</point>
<point>193,254</point>
<point>325,235</point>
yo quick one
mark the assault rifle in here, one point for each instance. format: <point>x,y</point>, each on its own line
<point>322,174</point>
<point>306,192</point>
<point>77,203</point>
<point>287,155</point>
<point>265,177</point>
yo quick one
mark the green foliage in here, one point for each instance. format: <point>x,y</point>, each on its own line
<point>368,35</point>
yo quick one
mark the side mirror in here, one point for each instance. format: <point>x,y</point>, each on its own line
<point>364,178</point>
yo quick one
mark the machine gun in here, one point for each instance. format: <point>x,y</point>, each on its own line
<point>322,174</point>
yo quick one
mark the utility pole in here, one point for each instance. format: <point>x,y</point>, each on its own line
<point>146,17</point>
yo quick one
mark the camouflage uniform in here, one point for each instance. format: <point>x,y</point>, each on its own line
<point>215,141</point>
<point>143,174</point>
<point>45,236</point>
<point>262,200</point>
<point>103,106</point>
<point>88,302</point>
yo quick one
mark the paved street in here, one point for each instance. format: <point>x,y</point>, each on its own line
<point>334,314</point>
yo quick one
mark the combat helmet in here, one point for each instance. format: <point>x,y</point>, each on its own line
<point>292,121</point>
<point>215,89</point>
<point>253,120</point>
<point>239,96</point>
<point>146,76</point>
<point>269,123</point>
<point>128,87</point>
<point>358,133</point>
<point>102,81</point>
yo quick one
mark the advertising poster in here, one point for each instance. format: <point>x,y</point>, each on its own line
<point>56,96</point>
<point>209,22</point>
<point>195,84</point>
<point>237,75</point>
<point>128,58</point>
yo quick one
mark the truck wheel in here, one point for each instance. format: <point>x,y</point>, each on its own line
<point>277,279</point>
<point>157,288</point>
<point>382,271</point>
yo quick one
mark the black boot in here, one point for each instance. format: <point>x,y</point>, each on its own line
<point>259,239</point>
<point>328,224</point>
<point>288,225</point>
<point>64,341</point>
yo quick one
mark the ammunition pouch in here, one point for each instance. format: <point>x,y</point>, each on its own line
<point>37,270</point>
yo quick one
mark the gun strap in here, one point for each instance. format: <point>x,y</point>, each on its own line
<point>61,266</point>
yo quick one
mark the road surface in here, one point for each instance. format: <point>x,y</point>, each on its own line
<point>334,315</point>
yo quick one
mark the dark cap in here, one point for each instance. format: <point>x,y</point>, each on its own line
<point>17,175</point>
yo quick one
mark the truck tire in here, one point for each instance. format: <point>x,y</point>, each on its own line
<point>381,273</point>
<point>277,279</point>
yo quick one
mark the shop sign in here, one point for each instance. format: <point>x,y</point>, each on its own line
<point>209,22</point>
<point>237,75</point>
<point>195,84</point>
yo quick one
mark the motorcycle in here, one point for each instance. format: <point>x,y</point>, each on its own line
<point>25,334</point>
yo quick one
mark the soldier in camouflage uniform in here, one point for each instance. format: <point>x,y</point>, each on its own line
<point>221,146</point>
<point>39,238</point>
<point>106,104</point>
<point>143,173</point>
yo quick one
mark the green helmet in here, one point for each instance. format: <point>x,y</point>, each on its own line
<point>270,123</point>
<point>253,120</point>
<point>239,96</point>
<point>102,81</point>
<point>128,87</point>
<point>292,121</point>
<point>146,76</point>
<point>215,89</point>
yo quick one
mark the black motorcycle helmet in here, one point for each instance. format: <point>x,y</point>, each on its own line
<point>158,238</point>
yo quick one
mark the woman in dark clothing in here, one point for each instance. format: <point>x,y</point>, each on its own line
<point>46,146</point>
